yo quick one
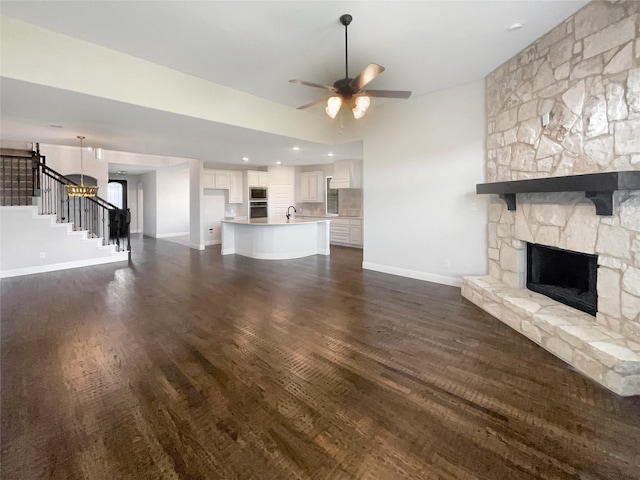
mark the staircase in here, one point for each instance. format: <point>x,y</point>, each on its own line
<point>44,229</point>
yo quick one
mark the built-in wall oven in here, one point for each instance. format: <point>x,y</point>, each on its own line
<point>258,209</point>
<point>258,202</point>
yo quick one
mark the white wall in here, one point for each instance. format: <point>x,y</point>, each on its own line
<point>33,243</point>
<point>281,175</point>
<point>150,212</point>
<point>66,161</point>
<point>422,160</point>
<point>172,201</point>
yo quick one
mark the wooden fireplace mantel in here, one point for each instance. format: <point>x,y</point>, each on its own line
<point>597,187</point>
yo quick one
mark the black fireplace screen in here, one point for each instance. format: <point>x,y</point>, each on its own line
<point>568,277</point>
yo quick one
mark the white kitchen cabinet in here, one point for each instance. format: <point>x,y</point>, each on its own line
<point>355,232</point>
<point>347,174</point>
<point>339,230</point>
<point>221,179</point>
<point>312,187</point>
<point>346,231</point>
<point>224,180</point>
<point>257,179</point>
<point>207,179</point>
<point>235,187</point>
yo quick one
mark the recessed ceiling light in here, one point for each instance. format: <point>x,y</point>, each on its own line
<point>56,125</point>
<point>245,159</point>
<point>329,154</point>
<point>278,162</point>
<point>514,26</point>
<point>295,149</point>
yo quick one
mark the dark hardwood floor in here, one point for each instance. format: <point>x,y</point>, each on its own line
<point>189,365</point>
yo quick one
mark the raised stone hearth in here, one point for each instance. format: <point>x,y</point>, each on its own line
<point>607,357</point>
<point>569,104</point>
<point>568,221</point>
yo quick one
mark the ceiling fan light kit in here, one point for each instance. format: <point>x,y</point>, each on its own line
<point>333,106</point>
<point>351,90</point>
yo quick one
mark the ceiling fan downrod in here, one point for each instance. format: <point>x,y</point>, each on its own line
<point>346,20</point>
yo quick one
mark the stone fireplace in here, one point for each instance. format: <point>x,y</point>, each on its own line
<point>567,105</point>
<point>563,275</point>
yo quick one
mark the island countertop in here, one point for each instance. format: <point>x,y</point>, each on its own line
<point>274,221</point>
<point>275,238</point>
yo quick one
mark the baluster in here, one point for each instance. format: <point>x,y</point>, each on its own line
<point>61,195</point>
<point>105,240</point>
<point>129,232</point>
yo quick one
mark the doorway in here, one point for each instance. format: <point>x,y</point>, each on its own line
<point>117,193</point>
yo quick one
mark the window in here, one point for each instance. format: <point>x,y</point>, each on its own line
<point>332,198</point>
<point>117,193</point>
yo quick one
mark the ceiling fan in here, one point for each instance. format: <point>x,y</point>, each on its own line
<point>351,91</point>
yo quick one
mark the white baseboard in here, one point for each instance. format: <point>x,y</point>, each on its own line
<point>418,275</point>
<point>208,243</point>
<point>169,235</point>
<point>18,272</point>
<point>196,247</point>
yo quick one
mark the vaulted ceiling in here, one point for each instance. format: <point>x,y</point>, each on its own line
<point>256,47</point>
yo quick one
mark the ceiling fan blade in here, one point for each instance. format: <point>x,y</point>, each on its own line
<point>310,84</point>
<point>367,74</point>
<point>388,93</point>
<point>321,100</point>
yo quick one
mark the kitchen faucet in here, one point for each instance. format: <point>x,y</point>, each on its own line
<point>288,215</point>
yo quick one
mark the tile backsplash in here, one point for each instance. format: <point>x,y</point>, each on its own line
<point>349,204</point>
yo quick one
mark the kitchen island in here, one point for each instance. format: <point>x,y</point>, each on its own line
<point>275,238</point>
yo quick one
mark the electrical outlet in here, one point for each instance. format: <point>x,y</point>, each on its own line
<point>447,263</point>
<point>41,254</point>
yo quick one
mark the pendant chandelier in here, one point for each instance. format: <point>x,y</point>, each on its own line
<point>81,190</point>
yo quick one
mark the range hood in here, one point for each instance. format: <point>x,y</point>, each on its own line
<point>345,175</point>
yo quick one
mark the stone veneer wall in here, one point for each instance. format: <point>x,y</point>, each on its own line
<point>585,74</point>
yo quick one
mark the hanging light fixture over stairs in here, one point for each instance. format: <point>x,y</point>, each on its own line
<point>81,190</point>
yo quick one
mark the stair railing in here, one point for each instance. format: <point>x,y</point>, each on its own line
<point>100,218</point>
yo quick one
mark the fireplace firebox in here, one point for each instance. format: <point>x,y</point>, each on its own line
<point>566,276</point>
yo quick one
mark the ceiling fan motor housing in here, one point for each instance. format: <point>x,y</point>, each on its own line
<point>344,88</point>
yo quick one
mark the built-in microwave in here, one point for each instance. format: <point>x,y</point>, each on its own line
<point>257,193</point>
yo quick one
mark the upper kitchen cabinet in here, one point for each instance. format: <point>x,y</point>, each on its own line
<point>312,187</point>
<point>221,179</point>
<point>207,178</point>
<point>218,179</point>
<point>224,180</point>
<point>235,187</point>
<point>347,174</point>
<point>257,179</point>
